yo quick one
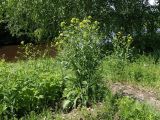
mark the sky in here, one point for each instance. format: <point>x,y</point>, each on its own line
<point>152,2</point>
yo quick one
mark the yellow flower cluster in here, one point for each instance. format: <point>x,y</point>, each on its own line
<point>85,22</point>
<point>89,17</point>
<point>63,24</point>
<point>81,25</point>
<point>58,45</point>
<point>119,34</point>
<point>96,22</point>
<point>74,20</point>
<point>130,39</point>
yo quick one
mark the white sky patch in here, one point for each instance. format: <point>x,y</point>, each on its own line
<point>152,2</point>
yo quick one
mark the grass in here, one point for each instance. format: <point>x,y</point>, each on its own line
<point>114,108</point>
<point>143,71</point>
<point>32,90</point>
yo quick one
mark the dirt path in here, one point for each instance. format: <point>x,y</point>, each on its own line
<point>137,93</point>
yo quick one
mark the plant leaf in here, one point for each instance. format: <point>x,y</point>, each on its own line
<point>66,104</point>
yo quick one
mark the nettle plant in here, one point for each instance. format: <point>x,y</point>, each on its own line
<point>79,41</point>
<point>122,46</point>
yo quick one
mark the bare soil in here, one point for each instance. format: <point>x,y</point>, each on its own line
<point>138,93</point>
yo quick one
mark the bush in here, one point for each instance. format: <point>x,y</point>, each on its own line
<point>29,86</point>
<point>81,53</point>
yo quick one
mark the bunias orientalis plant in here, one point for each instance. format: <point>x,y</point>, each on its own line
<point>80,52</point>
<point>122,46</point>
<point>122,53</point>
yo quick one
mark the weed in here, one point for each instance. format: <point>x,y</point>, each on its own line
<point>81,53</point>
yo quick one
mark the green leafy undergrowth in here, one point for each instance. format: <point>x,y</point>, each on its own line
<point>114,108</point>
<point>126,108</point>
<point>29,86</point>
<point>143,70</point>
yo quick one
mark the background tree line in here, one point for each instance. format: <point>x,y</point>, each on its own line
<point>38,20</point>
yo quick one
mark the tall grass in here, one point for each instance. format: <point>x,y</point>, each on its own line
<point>143,70</point>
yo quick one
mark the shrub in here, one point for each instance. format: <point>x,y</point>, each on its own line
<point>81,53</point>
<point>29,86</point>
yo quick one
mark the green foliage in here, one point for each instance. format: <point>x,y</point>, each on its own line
<point>1,15</point>
<point>36,84</point>
<point>133,16</point>
<point>35,19</point>
<point>125,108</point>
<point>81,53</point>
<point>143,70</point>
<point>122,46</point>
<point>121,56</point>
<point>115,108</point>
<point>29,86</point>
<point>2,5</point>
<point>39,20</point>
<point>129,109</point>
<point>46,114</point>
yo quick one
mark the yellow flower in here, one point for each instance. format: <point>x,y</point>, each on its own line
<point>89,17</point>
<point>130,38</point>
<point>81,25</point>
<point>63,24</point>
<point>86,21</point>
<point>77,20</point>
<point>96,22</point>
<point>61,35</point>
<point>56,44</point>
<point>73,20</point>
<point>119,33</point>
